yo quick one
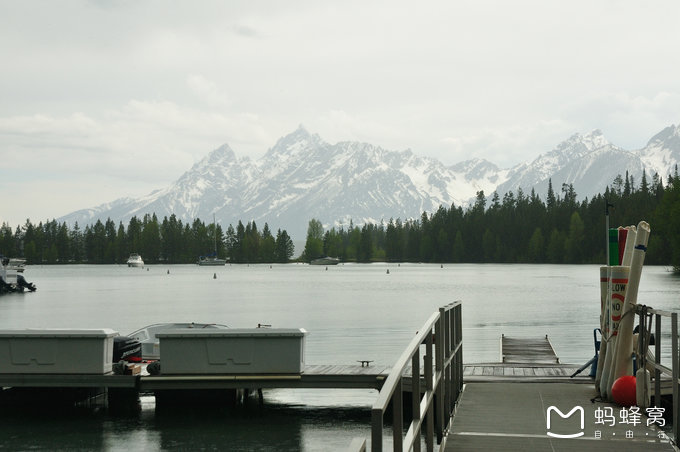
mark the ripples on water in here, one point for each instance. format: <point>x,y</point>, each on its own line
<point>350,311</point>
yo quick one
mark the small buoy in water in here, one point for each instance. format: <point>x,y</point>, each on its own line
<point>214,275</point>
<point>326,268</point>
<point>270,266</point>
<point>147,268</point>
<point>168,272</point>
<point>441,266</point>
<point>388,271</point>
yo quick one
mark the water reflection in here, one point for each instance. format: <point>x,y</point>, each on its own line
<point>252,426</point>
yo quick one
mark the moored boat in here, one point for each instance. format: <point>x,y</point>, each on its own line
<point>135,260</point>
<point>150,342</point>
<point>10,278</point>
<point>212,259</point>
<point>325,261</point>
<point>17,264</point>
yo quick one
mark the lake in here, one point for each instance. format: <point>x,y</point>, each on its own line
<point>351,312</point>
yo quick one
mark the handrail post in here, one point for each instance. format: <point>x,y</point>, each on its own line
<point>448,382</point>
<point>398,416</point>
<point>429,385</point>
<point>415,397</point>
<point>674,361</point>
<point>459,346</point>
<point>376,430</point>
<point>439,366</point>
<point>657,358</point>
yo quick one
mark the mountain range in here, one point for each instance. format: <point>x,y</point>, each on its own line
<point>303,177</point>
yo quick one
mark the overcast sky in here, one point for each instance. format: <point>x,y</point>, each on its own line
<point>106,99</point>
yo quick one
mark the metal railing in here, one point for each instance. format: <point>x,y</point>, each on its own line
<point>647,315</point>
<point>442,335</point>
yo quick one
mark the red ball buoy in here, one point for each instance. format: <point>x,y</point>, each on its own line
<point>623,391</point>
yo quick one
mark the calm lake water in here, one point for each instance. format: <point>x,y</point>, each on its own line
<point>350,311</point>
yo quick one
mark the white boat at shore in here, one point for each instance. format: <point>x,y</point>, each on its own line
<point>135,260</point>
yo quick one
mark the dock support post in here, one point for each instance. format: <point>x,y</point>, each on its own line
<point>123,400</point>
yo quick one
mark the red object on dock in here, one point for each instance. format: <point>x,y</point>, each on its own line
<point>623,391</point>
<point>623,234</point>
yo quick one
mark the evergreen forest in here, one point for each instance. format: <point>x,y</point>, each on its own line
<point>517,228</point>
<point>168,241</point>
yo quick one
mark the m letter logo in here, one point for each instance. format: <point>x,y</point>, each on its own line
<point>564,416</point>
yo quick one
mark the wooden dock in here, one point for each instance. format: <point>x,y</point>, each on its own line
<point>526,402</point>
<point>523,350</point>
<point>314,376</point>
<point>489,372</point>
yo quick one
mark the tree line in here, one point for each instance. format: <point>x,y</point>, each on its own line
<point>168,241</point>
<point>518,227</point>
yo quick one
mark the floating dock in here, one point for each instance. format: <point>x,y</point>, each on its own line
<point>523,350</point>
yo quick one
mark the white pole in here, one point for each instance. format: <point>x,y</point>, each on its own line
<point>624,353</point>
<point>630,245</point>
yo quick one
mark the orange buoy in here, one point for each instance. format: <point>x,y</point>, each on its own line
<point>623,391</point>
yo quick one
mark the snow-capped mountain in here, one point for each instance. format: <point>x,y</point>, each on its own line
<point>303,177</point>
<point>591,163</point>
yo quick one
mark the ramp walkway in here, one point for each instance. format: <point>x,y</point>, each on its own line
<point>529,402</point>
<point>513,417</point>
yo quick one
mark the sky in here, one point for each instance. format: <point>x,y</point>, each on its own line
<point>107,99</point>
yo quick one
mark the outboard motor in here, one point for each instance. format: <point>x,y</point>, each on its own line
<point>127,349</point>
<point>23,284</point>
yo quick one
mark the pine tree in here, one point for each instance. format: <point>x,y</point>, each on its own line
<point>550,199</point>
